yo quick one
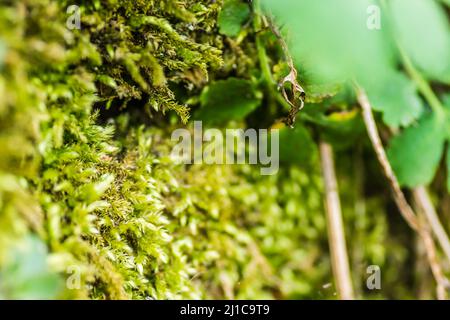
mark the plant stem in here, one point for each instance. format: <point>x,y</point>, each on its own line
<point>423,200</point>
<point>262,55</point>
<point>336,235</point>
<point>360,216</point>
<point>422,84</point>
<point>430,249</point>
<point>405,209</point>
<point>372,130</point>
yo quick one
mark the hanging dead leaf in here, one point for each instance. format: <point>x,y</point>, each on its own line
<point>292,91</point>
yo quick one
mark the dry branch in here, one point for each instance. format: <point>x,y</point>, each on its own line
<point>423,200</point>
<point>421,227</point>
<point>336,235</point>
<point>405,209</point>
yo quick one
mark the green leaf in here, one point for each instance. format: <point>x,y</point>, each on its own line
<point>415,153</point>
<point>27,275</point>
<point>332,41</point>
<point>318,93</point>
<point>397,99</point>
<point>225,100</point>
<point>234,13</point>
<point>423,30</point>
<point>296,146</point>
<point>342,129</point>
<point>44,286</point>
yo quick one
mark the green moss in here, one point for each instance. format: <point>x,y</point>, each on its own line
<point>20,116</point>
<point>145,45</point>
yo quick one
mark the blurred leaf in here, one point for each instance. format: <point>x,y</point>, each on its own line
<point>344,121</point>
<point>231,99</point>
<point>44,286</point>
<point>27,276</point>
<point>331,39</point>
<point>416,152</point>
<point>317,93</point>
<point>234,13</point>
<point>296,146</point>
<point>342,129</point>
<point>423,30</point>
<point>397,99</point>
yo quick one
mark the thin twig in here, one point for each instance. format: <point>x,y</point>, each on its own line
<point>336,235</point>
<point>405,209</point>
<point>422,198</point>
<point>436,269</point>
<point>421,227</point>
<point>360,211</point>
<point>422,271</point>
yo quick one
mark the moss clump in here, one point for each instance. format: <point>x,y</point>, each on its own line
<point>140,226</point>
<point>141,47</point>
